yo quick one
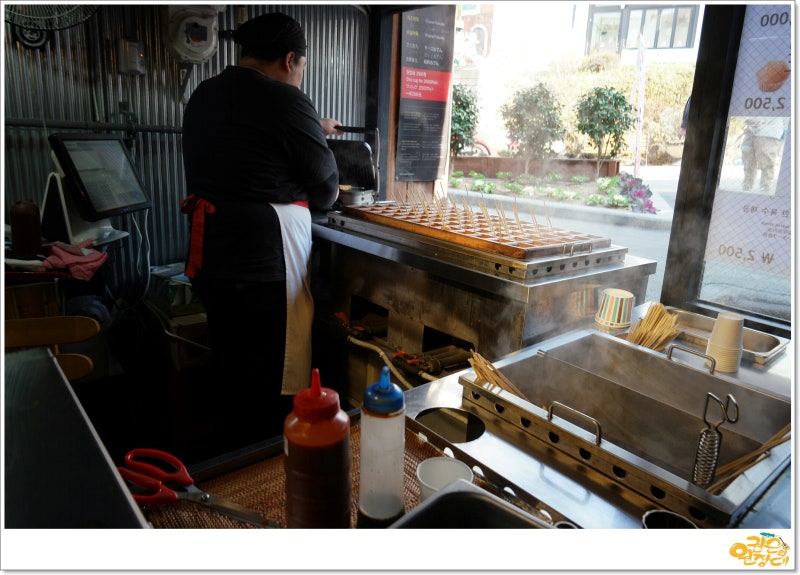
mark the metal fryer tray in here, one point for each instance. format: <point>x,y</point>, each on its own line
<point>637,476</point>
<point>512,237</point>
<point>759,348</point>
<point>551,261</point>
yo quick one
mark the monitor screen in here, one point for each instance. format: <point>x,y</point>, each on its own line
<point>99,174</point>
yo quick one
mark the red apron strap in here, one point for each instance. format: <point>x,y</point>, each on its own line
<point>198,208</point>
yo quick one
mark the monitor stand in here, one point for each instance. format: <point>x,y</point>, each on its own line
<point>62,222</point>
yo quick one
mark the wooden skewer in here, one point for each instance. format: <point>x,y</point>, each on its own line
<point>519,222</point>
<point>501,214</point>
<point>470,215</point>
<point>727,478</point>
<point>547,217</point>
<point>453,203</point>
<point>487,217</point>
<point>533,218</point>
<point>424,203</point>
<point>726,473</point>
<point>486,376</point>
<point>655,330</point>
<point>489,373</point>
<point>440,212</point>
<point>780,437</point>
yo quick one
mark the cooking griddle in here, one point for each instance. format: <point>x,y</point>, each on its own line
<point>518,236</point>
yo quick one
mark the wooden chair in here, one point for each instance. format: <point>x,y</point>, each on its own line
<point>51,332</point>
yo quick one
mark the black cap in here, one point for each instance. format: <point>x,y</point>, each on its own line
<point>272,34</point>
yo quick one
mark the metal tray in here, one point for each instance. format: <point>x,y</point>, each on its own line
<point>632,416</point>
<point>758,347</point>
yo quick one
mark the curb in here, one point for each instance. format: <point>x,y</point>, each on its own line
<point>660,221</point>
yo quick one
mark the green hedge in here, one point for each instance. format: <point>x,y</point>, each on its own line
<point>667,86</point>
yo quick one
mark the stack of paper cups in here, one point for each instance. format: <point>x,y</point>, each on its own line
<point>615,309</point>
<point>725,343</point>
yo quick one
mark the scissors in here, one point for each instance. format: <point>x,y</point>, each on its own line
<point>158,478</point>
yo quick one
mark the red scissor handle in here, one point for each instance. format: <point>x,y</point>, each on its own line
<point>155,492</point>
<point>172,471</point>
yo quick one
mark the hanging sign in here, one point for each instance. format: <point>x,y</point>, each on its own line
<point>752,217</point>
<point>426,67</point>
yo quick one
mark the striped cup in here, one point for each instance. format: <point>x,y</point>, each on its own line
<point>615,308</point>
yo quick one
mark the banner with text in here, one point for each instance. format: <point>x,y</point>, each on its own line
<point>426,54</point>
<point>752,215</point>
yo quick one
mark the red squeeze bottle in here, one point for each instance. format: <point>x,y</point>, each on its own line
<point>316,443</point>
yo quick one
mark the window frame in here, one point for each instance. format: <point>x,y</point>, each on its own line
<point>624,34</point>
<point>700,169</point>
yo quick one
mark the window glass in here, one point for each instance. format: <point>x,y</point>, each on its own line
<point>605,32</point>
<point>634,26</point>
<point>665,28</point>
<point>650,27</point>
<point>682,28</point>
<point>662,28</point>
<point>747,264</point>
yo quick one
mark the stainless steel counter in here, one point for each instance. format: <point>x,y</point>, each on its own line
<point>566,489</point>
<point>432,293</point>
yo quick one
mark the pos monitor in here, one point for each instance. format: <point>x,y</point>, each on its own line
<point>95,180</point>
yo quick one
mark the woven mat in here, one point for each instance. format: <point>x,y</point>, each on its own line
<point>260,487</point>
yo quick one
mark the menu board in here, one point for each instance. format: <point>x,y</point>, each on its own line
<point>751,220</point>
<point>426,54</point>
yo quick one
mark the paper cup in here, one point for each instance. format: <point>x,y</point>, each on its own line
<point>437,472</point>
<point>663,519</point>
<point>615,308</point>
<point>727,360</point>
<point>727,331</point>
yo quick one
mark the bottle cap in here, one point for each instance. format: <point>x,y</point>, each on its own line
<point>383,396</point>
<point>316,403</point>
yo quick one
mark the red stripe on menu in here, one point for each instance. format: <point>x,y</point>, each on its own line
<point>419,84</point>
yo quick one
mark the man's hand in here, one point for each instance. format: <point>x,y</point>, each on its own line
<point>329,127</point>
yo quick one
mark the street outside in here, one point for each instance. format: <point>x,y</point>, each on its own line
<point>648,236</point>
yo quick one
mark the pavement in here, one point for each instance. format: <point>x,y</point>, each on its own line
<point>663,182</point>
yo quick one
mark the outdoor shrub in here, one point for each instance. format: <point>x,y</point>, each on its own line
<point>556,193</point>
<point>463,119</point>
<point>608,185</point>
<point>637,192</point>
<point>476,175</point>
<point>533,118</point>
<point>604,115</point>
<point>504,175</point>
<point>618,200</point>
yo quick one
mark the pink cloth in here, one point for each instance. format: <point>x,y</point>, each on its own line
<point>82,260</point>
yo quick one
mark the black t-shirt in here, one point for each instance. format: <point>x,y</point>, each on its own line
<point>248,141</point>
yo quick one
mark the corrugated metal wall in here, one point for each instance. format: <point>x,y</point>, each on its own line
<point>73,84</point>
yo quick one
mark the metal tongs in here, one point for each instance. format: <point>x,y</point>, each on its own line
<point>708,446</point>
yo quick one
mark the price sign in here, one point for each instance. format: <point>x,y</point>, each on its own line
<point>751,220</point>
<point>426,54</point>
<point>762,85</point>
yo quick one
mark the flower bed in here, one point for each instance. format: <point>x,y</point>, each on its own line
<point>621,191</point>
